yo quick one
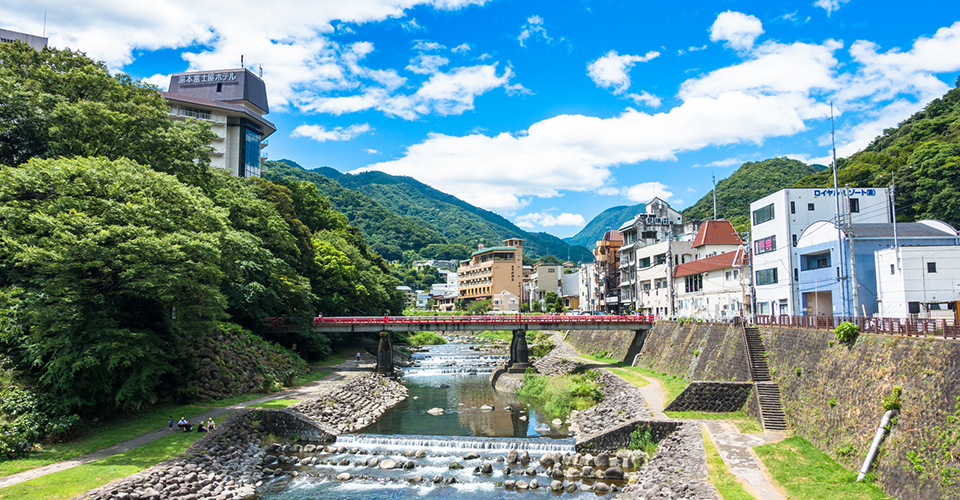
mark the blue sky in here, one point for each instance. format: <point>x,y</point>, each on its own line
<point>545,112</point>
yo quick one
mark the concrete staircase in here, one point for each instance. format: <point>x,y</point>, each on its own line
<point>768,392</point>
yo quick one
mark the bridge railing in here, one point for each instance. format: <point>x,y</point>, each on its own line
<point>908,327</point>
<point>450,320</point>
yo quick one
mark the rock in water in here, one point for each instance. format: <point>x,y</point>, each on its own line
<point>471,456</point>
<point>435,411</point>
<point>344,476</point>
<point>603,460</point>
<point>522,485</point>
<point>613,473</point>
<point>487,408</point>
<point>557,422</point>
<point>512,457</point>
<point>388,464</point>
<point>556,485</point>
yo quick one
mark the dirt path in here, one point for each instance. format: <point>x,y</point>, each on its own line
<point>346,370</point>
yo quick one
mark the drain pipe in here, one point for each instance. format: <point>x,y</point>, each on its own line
<point>635,360</point>
<point>876,444</point>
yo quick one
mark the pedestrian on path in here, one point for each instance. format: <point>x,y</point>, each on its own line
<point>171,423</point>
<point>358,358</point>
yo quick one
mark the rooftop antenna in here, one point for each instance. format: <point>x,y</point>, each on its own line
<point>241,60</point>
<point>44,24</point>
<point>714,177</point>
<point>261,71</point>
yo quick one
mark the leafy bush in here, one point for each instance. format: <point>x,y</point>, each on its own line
<point>847,332</point>
<point>561,395</point>
<point>892,400</point>
<point>641,439</point>
<point>832,402</point>
<point>420,338</point>
<point>26,420</point>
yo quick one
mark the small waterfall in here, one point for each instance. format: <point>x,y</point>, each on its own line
<point>455,370</point>
<point>457,444</point>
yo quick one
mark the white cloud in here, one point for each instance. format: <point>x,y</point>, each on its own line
<point>646,191</point>
<point>371,151</point>
<point>533,29</point>
<point>546,219</point>
<point>724,163</point>
<point>427,64</point>
<point>647,98</point>
<point>411,25</point>
<point>608,191</point>
<point>161,81</point>
<point>463,48</point>
<point>612,69</point>
<point>319,133</point>
<point>737,29</point>
<point>829,5</point>
<point>691,189</point>
<point>427,46</point>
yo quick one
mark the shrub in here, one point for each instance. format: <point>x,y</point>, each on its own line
<point>799,371</point>
<point>847,332</point>
<point>892,400</point>
<point>832,402</point>
<point>561,395</point>
<point>696,352</point>
<point>641,439</point>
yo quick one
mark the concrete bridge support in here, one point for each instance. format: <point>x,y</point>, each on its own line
<point>385,354</point>
<point>519,354</point>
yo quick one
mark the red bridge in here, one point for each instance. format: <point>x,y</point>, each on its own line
<point>376,324</point>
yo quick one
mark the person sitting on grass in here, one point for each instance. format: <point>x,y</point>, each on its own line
<point>182,424</point>
<point>211,425</point>
<point>200,427</point>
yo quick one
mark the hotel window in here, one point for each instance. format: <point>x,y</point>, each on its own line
<point>693,283</point>
<point>767,276</point>
<point>762,215</point>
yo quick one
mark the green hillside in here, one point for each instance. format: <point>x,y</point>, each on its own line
<point>398,214</point>
<point>921,157</point>
<point>752,181</point>
<point>611,218</point>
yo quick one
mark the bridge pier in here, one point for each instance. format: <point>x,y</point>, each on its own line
<point>519,354</point>
<point>385,354</point>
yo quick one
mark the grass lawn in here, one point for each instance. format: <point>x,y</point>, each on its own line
<point>720,476</point>
<point>673,386</point>
<point>335,358</point>
<point>312,376</point>
<point>634,378</point>
<point>276,403</point>
<point>75,481</point>
<point>744,422</point>
<point>101,436</point>
<point>804,472</point>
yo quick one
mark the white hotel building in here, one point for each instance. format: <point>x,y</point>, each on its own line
<point>778,220</point>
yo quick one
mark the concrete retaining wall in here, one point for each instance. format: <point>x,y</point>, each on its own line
<point>620,345</point>
<point>291,425</point>
<point>697,351</point>
<point>712,396</point>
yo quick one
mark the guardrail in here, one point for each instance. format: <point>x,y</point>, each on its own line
<point>449,320</point>
<point>907,327</point>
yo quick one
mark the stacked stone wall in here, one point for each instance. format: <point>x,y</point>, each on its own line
<point>712,396</point>
<point>618,437</point>
<point>615,344</point>
<point>697,351</point>
<point>832,397</point>
<point>292,425</point>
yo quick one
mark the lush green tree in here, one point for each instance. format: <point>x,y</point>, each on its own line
<point>352,283</point>
<point>108,264</point>
<point>552,302</point>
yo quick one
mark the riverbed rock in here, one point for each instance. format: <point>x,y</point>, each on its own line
<point>345,476</point>
<point>601,488</point>
<point>522,485</point>
<point>388,464</point>
<point>416,479</point>
<point>471,456</point>
<point>613,473</point>
<point>455,465</point>
<point>509,484</point>
<point>435,411</point>
<point>602,460</point>
<point>437,479</point>
<point>557,422</point>
<point>525,457</point>
<point>487,407</point>
<point>512,457</point>
<point>547,460</point>
<point>486,468</point>
<point>534,484</point>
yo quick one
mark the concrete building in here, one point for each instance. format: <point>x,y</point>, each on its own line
<point>451,282</point>
<point>546,278</point>
<point>588,287</point>
<point>824,262</point>
<point>922,282</point>
<point>35,42</point>
<point>233,102</point>
<point>409,296</point>
<point>606,256</point>
<point>492,270</point>
<point>571,290</point>
<point>653,243</point>
<point>506,301</point>
<point>777,221</point>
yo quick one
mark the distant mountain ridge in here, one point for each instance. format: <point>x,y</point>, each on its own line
<point>611,218</point>
<point>400,213</point>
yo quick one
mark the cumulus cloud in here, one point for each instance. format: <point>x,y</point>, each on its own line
<point>423,46</point>
<point>737,29</point>
<point>613,70</point>
<point>463,48</point>
<point>546,219</point>
<point>427,64</point>
<point>321,134</point>
<point>646,98</point>
<point>829,5</point>
<point>371,151</point>
<point>161,81</point>
<point>726,162</point>
<point>646,191</point>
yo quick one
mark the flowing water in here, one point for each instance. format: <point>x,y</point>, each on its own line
<point>455,378</point>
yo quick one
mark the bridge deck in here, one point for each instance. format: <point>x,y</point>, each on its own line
<point>373,324</point>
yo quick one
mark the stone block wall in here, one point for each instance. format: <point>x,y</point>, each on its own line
<point>712,396</point>
<point>832,397</point>
<point>613,343</point>
<point>697,351</point>
<point>291,425</point>
<point>618,437</point>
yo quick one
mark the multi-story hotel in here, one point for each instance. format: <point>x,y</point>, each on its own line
<point>491,271</point>
<point>233,102</point>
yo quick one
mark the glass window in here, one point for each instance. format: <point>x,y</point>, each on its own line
<point>644,263</point>
<point>251,154</point>
<point>892,271</point>
<point>815,261</point>
<point>765,245</point>
<point>931,267</point>
<point>762,215</point>
<point>767,276</point>
<point>793,207</point>
<point>854,205</point>
<point>810,207</point>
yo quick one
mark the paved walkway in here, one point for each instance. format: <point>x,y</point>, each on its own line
<point>734,447</point>
<point>346,370</point>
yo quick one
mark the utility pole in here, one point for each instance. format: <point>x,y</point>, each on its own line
<point>841,278</point>
<point>714,177</point>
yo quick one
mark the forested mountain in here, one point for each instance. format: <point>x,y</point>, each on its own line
<point>752,181</point>
<point>611,218</point>
<point>398,214</point>
<point>920,157</point>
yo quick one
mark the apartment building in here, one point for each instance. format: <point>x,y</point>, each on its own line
<point>778,220</point>
<point>588,287</point>
<point>653,243</point>
<point>606,258</point>
<point>492,270</point>
<point>715,285</point>
<point>233,102</point>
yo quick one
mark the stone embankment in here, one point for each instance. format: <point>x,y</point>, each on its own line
<point>622,403</point>
<point>678,470</point>
<point>354,404</point>
<point>221,465</point>
<point>558,361</point>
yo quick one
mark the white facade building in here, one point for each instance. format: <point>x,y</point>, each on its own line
<point>233,102</point>
<point>925,283</point>
<point>588,287</point>
<point>778,220</point>
<point>34,41</point>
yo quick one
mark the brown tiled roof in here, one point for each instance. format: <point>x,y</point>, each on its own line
<point>724,260</point>
<point>716,232</point>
